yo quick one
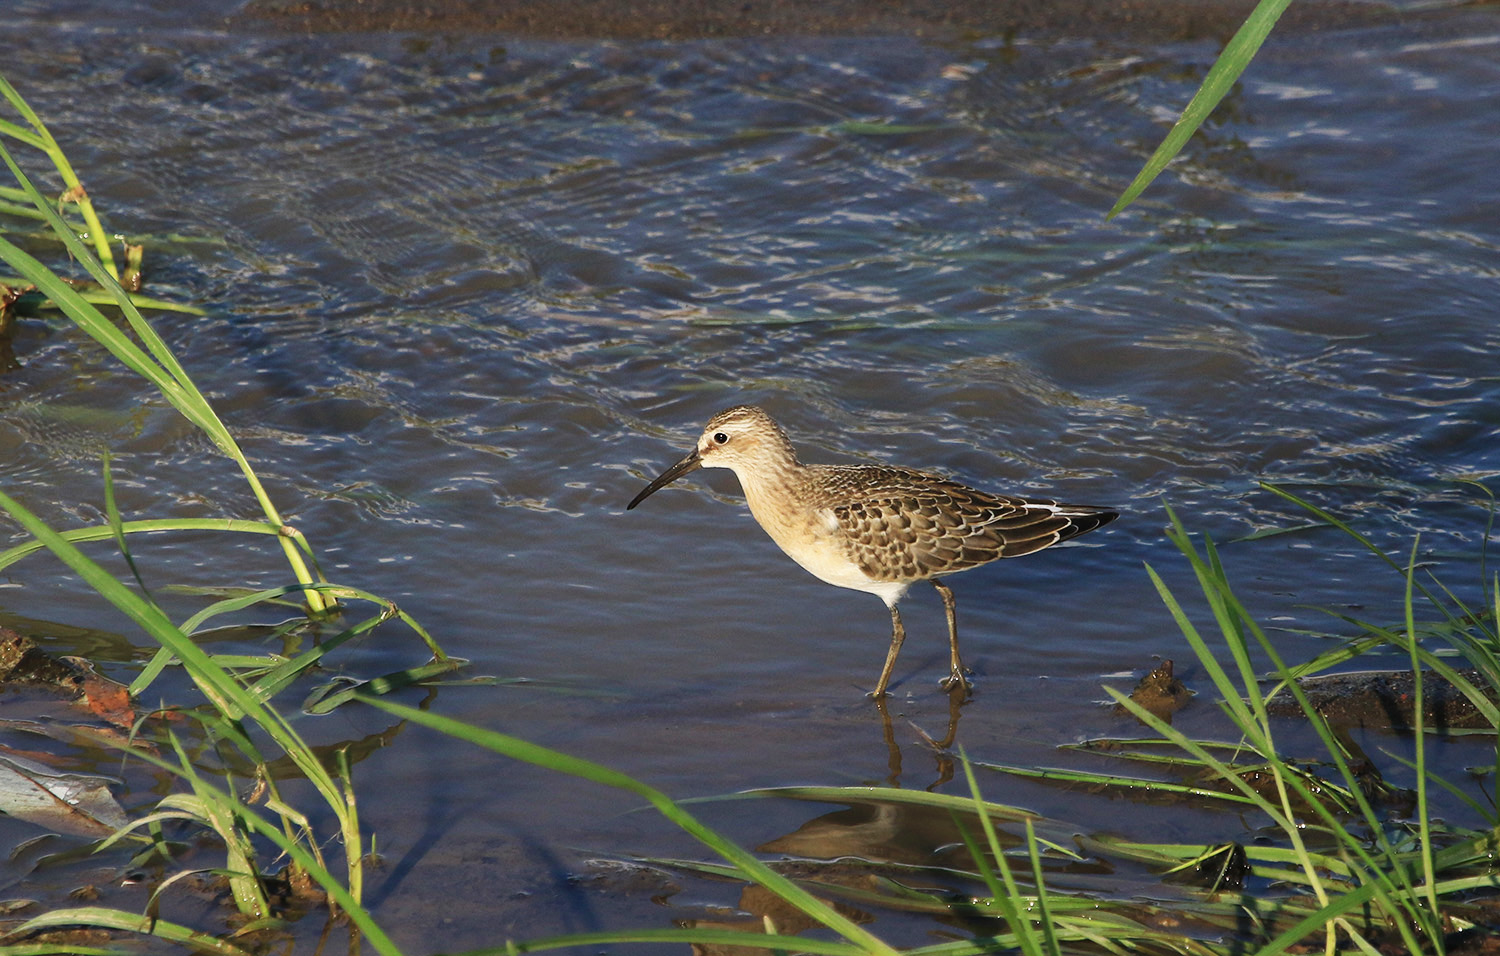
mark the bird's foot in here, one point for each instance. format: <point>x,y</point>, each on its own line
<point>957,681</point>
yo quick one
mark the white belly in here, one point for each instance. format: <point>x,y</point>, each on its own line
<point>813,542</point>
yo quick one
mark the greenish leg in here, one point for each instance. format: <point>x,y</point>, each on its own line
<point>956,676</point>
<point>898,636</point>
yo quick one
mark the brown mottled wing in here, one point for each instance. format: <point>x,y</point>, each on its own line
<point>902,524</point>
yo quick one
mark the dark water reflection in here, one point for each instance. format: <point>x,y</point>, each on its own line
<point>468,292</point>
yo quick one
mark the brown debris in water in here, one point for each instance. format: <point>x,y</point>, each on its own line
<point>1160,692</point>
<point>9,295</point>
<point>22,662</point>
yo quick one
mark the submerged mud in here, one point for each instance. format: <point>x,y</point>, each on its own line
<point>1388,700</point>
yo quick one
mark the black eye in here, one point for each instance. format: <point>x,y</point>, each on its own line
<point>720,438</point>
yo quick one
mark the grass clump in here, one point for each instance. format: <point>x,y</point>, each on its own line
<point>75,209</point>
<point>239,734</point>
<point>142,350</point>
<point>1349,867</point>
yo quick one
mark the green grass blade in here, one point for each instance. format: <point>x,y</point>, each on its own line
<point>42,139</point>
<point>117,528</point>
<point>161,367</point>
<point>1004,891</point>
<point>284,671</point>
<point>711,940</point>
<point>35,301</point>
<point>1232,62</point>
<point>1344,526</point>
<point>121,921</point>
<point>23,134</point>
<point>11,555</point>
<point>330,697</point>
<point>1043,905</point>
<point>146,615</point>
<point>1382,873</point>
<point>1494,776</point>
<point>226,694</point>
<point>237,603</point>
<point>96,324</point>
<point>219,813</point>
<point>1135,784</point>
<point>753,868</point>
<point>889,795</point>
<point>1424,823</point>
<point>252,821</point>
<point>1228,692</point>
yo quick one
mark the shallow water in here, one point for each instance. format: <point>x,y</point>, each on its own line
<point>467,293</point>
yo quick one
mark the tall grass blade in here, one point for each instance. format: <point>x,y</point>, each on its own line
<point>41,138</point>
<point>1424,824</point>
<point>145,526</point>
<point>1382,876</point>
<point>146,615</point>
<point>302,853</point>
<point>1344,526</point>
<point>160,367</point>
<point>1221,77</point>
<point>1003,892</point>
<point>225,693</point>
<point>1033,926</point>
<point>753,869</point>
<point>220,816</point>
<point>117,527</point>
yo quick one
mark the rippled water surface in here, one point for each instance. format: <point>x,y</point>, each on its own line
<point>466,294</point>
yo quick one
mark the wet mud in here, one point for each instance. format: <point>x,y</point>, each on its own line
<point>693,19</point>
<point>1160,692</point>
<point>1387,700</point>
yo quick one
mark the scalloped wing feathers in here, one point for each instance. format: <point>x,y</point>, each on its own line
<point>903,525</point>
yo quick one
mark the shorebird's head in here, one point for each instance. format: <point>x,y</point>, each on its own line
<point>740,438</point>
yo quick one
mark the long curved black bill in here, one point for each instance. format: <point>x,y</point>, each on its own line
<point>690,462</point>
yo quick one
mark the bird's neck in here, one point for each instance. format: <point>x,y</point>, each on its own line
<point>773,492</point>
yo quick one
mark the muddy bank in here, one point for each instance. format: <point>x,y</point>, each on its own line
<point>1164,20</point>
<point>1387,699</point>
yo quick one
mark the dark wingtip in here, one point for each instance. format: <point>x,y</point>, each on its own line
<point>1094,521</point>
